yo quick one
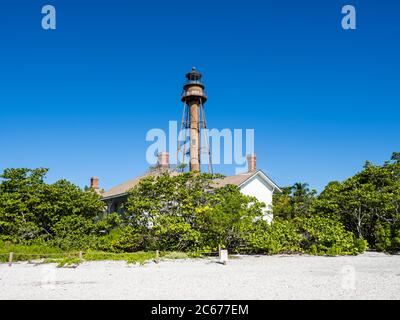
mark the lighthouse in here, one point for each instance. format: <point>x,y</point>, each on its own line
<point>194,149</point>
<point>194,120</point>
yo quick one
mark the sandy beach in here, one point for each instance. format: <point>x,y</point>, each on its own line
<point>368,276</point>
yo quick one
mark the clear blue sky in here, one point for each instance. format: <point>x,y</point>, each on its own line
<point>79,100</point>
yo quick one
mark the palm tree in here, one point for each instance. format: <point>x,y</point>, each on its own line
<point>300,189</point>
<point>302,198</point>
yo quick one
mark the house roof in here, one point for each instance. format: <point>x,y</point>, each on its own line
<point>240,179</point>
<point>122,189</point>
<point>237,180</point>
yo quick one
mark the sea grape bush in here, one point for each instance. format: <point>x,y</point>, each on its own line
<point>312,234</point>
<point>191,213</point>
<point>279,237</point>
<point>32,210</point>
<point>368,204</point>
<point>188,212</point>
<point>327,235</point>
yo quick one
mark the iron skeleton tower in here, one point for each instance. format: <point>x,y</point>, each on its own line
<point>194,123</point>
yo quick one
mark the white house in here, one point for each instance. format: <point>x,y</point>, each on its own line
<point>252,183</point>
<point>255,183</point>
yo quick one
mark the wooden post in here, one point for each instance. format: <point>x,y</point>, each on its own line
<point>80,255</point>
<point>223,256</point>
<point>10,259</point>
<point>157,256</point>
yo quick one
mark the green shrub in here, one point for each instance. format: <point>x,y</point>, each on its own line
<point>179,213</point>
<point>387,238</point>
<point>313,250</point>
<point>108,222</point>
<point>174,234</point>
<point>334,250</point>
<point>279,237</point>
<point>74,233</point>
<point>121,239</point>
<point>371,195</point>
<point>30,208</point>
<point>326,235</point>
<point>360,245</point>
<point>316,235</point>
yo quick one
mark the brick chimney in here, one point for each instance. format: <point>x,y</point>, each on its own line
<point>251,163</point>
<point>163,160</point>
<point>94,183</point>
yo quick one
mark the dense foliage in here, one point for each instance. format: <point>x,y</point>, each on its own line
<point>367,204</point>
<point>314,234</point>
<point>188,212</point>
<point>192,213</point>
<point>294,201</point>
<point>31,209</point>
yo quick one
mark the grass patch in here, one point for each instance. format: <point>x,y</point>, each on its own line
<point>174,255</point>
<point>141,257</point>
<point>52,260</point>
<point>64,262</point>
<point>135,257</point>
<point>28,252</point>
<point>68,262</point>
<point>64,259</point>
<point>195,255</point>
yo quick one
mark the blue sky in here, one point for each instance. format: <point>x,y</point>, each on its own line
<point>80,100</point>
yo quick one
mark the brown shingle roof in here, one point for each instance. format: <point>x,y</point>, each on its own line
<point>123,188</point>
<point>235,180</point>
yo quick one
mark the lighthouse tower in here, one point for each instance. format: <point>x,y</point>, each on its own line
<point>194,121</point>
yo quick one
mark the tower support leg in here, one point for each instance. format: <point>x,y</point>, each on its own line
<point>194,138</point>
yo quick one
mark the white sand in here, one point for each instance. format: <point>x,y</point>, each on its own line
<point>369,276</point>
